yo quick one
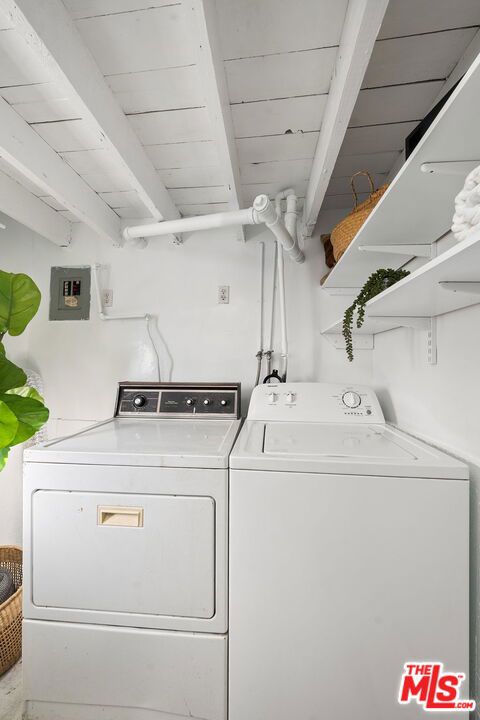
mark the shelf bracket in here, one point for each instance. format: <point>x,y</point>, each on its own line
<point>360,342</point>
<point>450,167</point>
<point>471,287</point>
<point>413,250</point>
<point>424,324</point>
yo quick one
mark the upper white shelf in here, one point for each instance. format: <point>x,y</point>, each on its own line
<point>449,282</point>
<point>418,206</point>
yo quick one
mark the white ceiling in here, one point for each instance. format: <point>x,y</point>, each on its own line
<point>279,57</point>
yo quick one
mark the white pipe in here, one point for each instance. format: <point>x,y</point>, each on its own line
<point>262,212</point>
<point>283,313</point>
<point>262,305</point>
<point>262,293</point>
<point>266,213</point>
<point>269,352</point>
<point>191,224</point>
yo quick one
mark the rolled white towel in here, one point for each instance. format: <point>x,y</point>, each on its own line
<point>467,206</point>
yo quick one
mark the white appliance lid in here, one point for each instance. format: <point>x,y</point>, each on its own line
<point>366,442</point>
<point>340,448</point>
<point>145,442</point>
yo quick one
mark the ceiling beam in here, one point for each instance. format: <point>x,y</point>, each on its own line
<point>362,24</point>
<point>50,32</point>
<point>19,204</point>
<point>204,30</point>
<point>23,149</point>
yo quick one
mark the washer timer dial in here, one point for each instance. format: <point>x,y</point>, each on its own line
<point>351,399</point>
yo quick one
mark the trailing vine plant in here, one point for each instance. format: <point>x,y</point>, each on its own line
<point>376,283</point>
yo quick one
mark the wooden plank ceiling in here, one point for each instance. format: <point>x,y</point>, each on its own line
<point>278,59</point>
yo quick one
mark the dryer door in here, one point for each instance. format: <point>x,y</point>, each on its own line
<point>147,554</point>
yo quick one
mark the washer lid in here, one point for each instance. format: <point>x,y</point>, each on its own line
<point>334,448</point>
<point>322,440</point>
<point>145,442</point>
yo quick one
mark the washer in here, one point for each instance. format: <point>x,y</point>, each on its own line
<point>126,560</point>
<point>348,558</point>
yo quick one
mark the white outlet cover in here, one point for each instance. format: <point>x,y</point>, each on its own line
<point>223,294</point>
<point>107,298</point>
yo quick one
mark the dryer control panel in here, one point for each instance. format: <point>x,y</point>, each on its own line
<point>315,402</point>
<point>178,400</point>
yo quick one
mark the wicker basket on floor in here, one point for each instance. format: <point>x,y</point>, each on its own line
<point>11,610</point>
<point>343,233</point>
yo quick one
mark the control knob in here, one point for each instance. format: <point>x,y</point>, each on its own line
<point>207,402</point>
<point>351,399</point>
<point>223,403</point>
<point>139,401</point>
<point>190,402</point>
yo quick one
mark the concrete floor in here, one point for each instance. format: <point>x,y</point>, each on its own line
<point>11,694</point>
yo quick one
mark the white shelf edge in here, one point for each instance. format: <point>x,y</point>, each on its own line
<point>377,323</point>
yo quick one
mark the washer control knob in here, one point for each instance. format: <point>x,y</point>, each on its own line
<point>139,401</point>
<point>290,398</point>
<point>272,398</point>
<point>190,402</point>
<point>351,399</point>
<point>207,402</point>
<point>224,403</point>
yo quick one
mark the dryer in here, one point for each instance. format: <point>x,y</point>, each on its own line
<point>125,542</point>
<point>349,557</point>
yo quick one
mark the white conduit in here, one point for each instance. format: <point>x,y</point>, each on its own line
<point>292,219</point>
<point>262,212</point>
<point>262,306</point>
<point>146,317</point>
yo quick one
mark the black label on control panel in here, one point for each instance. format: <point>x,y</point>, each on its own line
<point>198,403</point>
<point>178,400</point>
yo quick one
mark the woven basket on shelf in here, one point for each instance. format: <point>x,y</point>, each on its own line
<point>11,610</point>
<point>344,232</point>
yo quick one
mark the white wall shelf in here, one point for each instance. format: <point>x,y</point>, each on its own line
<point>444,284</point>
<point>418,206</point>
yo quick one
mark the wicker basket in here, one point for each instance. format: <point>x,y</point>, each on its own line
<point>11,610</point>
<point>343,233</point>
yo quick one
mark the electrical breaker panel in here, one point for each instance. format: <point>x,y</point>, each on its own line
<point>70,293</point>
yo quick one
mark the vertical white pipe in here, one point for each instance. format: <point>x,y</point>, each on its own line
<point>262,309</point>
<point>283,311</point>
<point>281,285</point>
<point>274,302</point>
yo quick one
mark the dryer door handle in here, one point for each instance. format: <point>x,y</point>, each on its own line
<point>114,516</point>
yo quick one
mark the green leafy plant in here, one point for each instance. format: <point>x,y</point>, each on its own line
<point>376,283</point>
<point>22,411</point>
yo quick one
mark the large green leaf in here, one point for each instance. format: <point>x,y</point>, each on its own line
<point>11,376</point>
<point>30,415</point>
<point>19,301</point>
<point>3,457</point>
<point>26,391</point>
<point>8,425</point>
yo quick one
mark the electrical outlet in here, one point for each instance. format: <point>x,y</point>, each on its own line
<point>107,298</point>
<point>223,294</point>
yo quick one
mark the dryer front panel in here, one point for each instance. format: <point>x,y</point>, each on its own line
<point>147,554</point>
<point>132,546</point>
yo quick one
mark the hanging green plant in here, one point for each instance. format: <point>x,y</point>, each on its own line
<point>22,411</point>
<point>376,283</point>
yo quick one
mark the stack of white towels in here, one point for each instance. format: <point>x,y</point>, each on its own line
<point>467,206</point>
